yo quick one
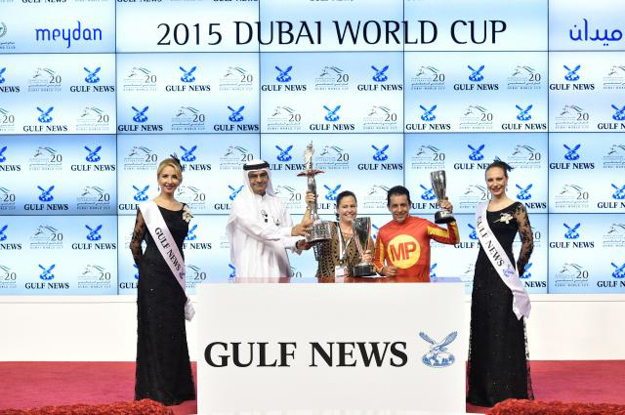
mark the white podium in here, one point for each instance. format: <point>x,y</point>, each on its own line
<point>284,347</point>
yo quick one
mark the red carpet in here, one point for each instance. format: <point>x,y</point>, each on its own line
<point>598,381</point>
<point>32,384</point>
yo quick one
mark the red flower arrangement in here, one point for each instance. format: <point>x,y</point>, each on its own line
<point>142,407</point>
<point>526,407</point>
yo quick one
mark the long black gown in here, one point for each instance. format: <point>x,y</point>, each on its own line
<point>163,369</point>
<point>498,361</point>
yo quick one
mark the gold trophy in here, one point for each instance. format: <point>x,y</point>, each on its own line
<point>321,230</point>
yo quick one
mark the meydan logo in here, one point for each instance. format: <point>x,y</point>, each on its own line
<point>76,34</point>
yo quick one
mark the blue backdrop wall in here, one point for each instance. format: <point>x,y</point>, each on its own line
<point>94,93</point>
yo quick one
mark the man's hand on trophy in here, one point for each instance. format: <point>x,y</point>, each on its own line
<point>302,228</point>
<point>311,198</point>
<point>389,270</point>
<point>446,204</point>
<point>302,245</point>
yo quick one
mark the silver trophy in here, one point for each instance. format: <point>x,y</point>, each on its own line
<point>321,230</point>
<point>362,232</point>
<point>439,183</point>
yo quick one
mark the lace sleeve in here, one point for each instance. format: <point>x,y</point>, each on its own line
<point>527,239</point>
<point>137,237</point>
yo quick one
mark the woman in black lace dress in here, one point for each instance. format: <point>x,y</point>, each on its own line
<point>498,360</point>
<point>163,370</point>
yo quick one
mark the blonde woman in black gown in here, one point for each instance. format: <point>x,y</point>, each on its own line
<point>163,370</point>
<point>498,367</point>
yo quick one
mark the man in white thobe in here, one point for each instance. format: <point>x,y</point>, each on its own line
<point>260,228</point>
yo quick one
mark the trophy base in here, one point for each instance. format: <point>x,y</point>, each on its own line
<point>364,270</point>
<point>443,216</point>
<point>320,232</point>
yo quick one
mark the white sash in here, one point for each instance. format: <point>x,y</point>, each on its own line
<point>167,247</point>
<point>499,259</point>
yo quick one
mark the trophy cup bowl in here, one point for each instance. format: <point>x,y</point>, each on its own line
<point>320,231</point>
<point>362,231</point>
<point>439,184</point>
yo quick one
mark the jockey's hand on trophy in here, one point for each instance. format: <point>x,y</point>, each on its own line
<point>446,204</point>
<point>389,270</point>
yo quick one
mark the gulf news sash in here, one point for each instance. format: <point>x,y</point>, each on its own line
<point>499,259</point>
<point>167,247</point>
